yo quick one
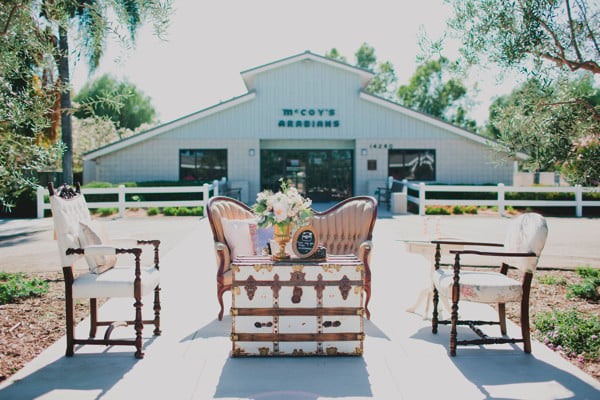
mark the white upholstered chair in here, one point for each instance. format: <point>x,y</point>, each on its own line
<point>78,236</point>
<point>524,241</point>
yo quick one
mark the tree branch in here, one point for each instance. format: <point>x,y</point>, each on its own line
<point>595,113</point>
<point>591,35</point>
<point>11,15</point>
<point>572,30</point>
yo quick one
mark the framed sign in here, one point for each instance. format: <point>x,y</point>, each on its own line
<point>305,242</point>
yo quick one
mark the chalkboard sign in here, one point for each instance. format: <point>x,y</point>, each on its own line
<point>305,242</point>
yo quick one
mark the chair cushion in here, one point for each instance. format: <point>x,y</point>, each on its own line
<point>66,214</point>
<point>479,286</point>
<point>240,235</point>
<point>93,233</point>
<point>526,233</point>
<point>116,282</point>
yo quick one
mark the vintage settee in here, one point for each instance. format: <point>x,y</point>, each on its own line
<point>346,228</point>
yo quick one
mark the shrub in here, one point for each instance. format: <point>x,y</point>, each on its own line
<point>198,211</point>
<point>105,212</point>
<point>169,211</point>
<point>552,280</point>
<point>589,288</point>
<point>457,210</point>
<point>569,332</point>
<point>437,210</point>
<point>152,211</point>
<point>183,212</point>
<point>15,286</point>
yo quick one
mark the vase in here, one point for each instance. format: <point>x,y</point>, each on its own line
<point>282,235</point>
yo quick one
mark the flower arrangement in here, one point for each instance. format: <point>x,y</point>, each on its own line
<point>283,208</point>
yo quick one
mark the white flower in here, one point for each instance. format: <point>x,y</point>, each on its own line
<point>280,211</point>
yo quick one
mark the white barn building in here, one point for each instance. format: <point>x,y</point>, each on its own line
<point>309,119</point>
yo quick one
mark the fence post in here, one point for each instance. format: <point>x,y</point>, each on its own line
<point>40,201</point>
<point>121,201</point>
<point>579,201</point>
<point>501,203</point>
<point>405,186</point>
<point>421,198</point>
<point>216,188</point>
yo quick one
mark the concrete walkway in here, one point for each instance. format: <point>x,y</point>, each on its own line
<point>402,359</point>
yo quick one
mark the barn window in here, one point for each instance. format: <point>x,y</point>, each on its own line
<point>411,164</point>
<point>202,165</point>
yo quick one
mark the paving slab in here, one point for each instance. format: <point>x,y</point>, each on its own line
<point>402,358</point>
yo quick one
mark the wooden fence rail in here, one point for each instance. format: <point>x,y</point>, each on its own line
<point>500,200</point>
<point>204,192</point>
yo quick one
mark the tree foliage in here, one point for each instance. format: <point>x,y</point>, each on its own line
<point>93,21</point>
<point>555,118</point>
<point>26,101</point>
<point>385,77</point>
<point>121,102</point>
<point>528,33</point>
<point>430,92</point>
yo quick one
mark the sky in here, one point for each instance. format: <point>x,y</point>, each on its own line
<point>210,42</point>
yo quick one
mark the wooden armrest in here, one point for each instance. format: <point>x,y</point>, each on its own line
<point>493,253</point>
<point>466,243</point>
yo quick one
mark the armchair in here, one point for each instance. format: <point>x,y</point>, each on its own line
<point>524,241</point>
<point>78,235</point>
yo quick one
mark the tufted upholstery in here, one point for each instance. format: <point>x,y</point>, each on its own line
<point>346,228</point>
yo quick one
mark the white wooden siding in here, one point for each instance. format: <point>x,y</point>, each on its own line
<point>311,85</point>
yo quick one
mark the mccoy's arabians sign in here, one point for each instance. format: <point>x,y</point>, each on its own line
<point>308,118</point>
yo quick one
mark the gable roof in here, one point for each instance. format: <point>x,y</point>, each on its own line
<point>250,74</point>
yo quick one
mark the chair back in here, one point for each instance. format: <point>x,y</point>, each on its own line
<point>225,207</point>
<point>68,210</point>
<point>346,225</point>
<point>526,234</point>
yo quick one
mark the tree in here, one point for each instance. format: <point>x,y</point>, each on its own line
<point>91,17</point>
<point>554,42</point>
<point>26,101</point>
<point>385,76</point>
<point>542,121</point>
<point>428,91</point>
<point>121,102</point>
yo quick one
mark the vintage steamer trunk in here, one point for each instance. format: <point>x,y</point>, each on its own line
<point>297,307</point>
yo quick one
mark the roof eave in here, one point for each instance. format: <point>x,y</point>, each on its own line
<point>158,130</point>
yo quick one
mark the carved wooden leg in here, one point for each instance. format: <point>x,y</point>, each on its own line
<point>220,292</point>
<point>93,317</point>
<point>434,317</point>
<point>137,293</point>
<point>68,274</point>
<point>455,299</point>
<point>368,297</point>
<point>525,312</point>
<point>502,317</point>
<point>139,327</point>
<point>157,309</point>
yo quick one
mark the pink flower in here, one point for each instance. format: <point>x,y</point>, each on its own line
<point>580,358</point>
<point>594,337</point>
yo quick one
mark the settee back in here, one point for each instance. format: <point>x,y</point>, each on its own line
<point>341,229</point>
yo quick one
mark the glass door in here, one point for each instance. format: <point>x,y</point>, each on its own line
<point>322,175</point>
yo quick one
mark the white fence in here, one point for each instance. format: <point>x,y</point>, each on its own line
<point>500,201</point>
<point>205,192</point>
